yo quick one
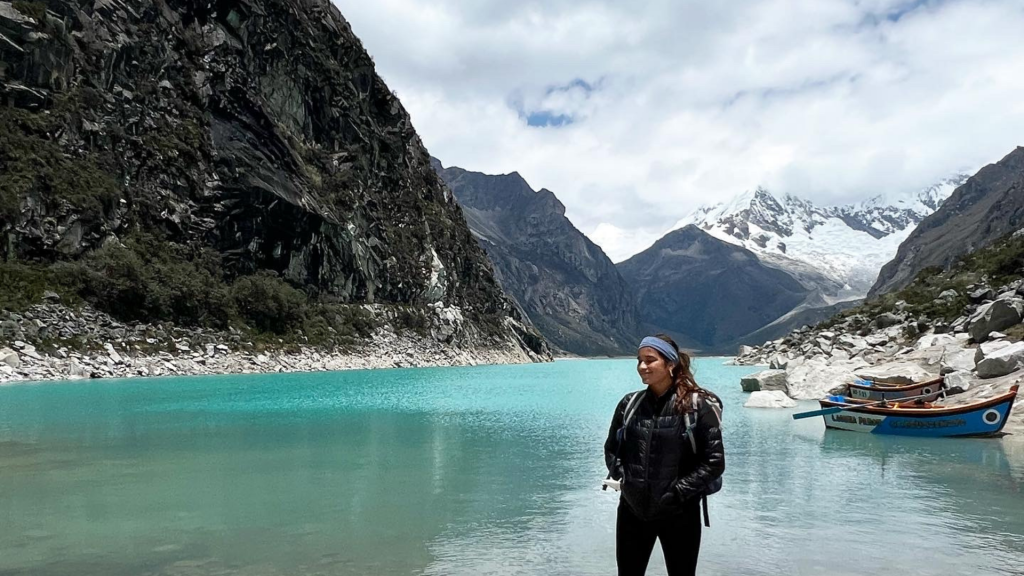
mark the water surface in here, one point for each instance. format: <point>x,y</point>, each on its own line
<point>478,470</point>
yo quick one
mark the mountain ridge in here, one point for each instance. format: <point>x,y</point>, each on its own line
<point>985,207</point>
<point>846,244</point>
<point>708,292</point>
<point>560,279</point>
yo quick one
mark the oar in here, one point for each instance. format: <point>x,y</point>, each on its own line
<point>834,409</point>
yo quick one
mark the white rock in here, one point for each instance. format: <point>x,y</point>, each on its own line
<point>113,353</point>
<point>959,360</point>
<point>931,340</point>
<point>959,379</point>
<point>1002,361</point>
<point>988,348</point>
<point>852,342</point>
<point>9,357</point>
<point>896,373</point>
<point>814,378</point>
<point>30,351</point>
<point>769,399</point>
<point>877,339</point>
<point>840,354</point>
<point>76,370</point>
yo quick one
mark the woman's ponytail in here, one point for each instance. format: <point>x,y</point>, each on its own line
<point>682,378</point>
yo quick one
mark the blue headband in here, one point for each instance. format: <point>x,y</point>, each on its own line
<point>667,350</point>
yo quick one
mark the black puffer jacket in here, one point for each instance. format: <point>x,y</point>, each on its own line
<point>656,458</point>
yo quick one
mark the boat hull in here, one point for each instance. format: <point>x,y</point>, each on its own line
<point>979,419</point>
<point>929,391</point>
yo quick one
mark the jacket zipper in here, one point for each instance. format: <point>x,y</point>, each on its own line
<point>647,460</point>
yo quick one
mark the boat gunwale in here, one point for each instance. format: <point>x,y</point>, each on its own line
<point>1008,396</point>
<point>897,388</point>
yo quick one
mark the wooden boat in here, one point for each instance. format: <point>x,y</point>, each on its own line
<point>982,418</point>
<point>868,390</point>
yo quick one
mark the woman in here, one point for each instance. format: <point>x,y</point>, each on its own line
<point>663,475</point>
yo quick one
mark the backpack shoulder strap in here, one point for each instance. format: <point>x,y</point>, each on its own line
<point>631,407</point>
<point>688,418</point>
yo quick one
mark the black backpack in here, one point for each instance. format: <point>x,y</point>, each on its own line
<point>716,407</point>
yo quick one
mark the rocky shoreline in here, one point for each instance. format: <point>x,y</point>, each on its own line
<point>52,342</point>
<point>980,352</point>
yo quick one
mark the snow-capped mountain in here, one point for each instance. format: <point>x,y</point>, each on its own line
<point>838,249</point>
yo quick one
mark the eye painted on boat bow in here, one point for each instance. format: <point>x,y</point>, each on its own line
<point>991,416</point>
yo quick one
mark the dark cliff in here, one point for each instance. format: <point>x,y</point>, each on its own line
<point>708,293</point>
<point>565,283</point>
<point>986,207</point>
<point>252,135</point>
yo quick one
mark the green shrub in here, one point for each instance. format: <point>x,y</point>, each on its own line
<point>34,10</point>
<point>22,285</point>
<point>267,302</point>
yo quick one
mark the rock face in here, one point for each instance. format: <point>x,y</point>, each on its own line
<point>708,292</point>
<point>985,208</point>
<point>564,283</point>
<point>258,129</point>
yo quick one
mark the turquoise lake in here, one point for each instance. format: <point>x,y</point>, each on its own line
<point>464,471</point>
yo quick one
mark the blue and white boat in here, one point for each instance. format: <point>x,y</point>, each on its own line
<point>982,418</point>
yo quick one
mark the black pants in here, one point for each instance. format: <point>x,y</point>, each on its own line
<point>679,536</point>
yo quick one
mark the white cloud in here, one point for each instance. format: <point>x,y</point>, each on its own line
<point>696,101</point>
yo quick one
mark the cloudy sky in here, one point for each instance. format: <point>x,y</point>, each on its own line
<point>635,113</point>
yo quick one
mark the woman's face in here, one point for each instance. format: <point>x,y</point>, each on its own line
<point>653,369</point>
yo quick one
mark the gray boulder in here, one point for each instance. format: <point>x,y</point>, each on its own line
<point>982,294</point>
<point>765,380</point>
<point>1002,361</point>
<point>886,320</point>
<point>997,315</point>
<point>778,362</point>
<point>948,295</point>
<point>744,350</point>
